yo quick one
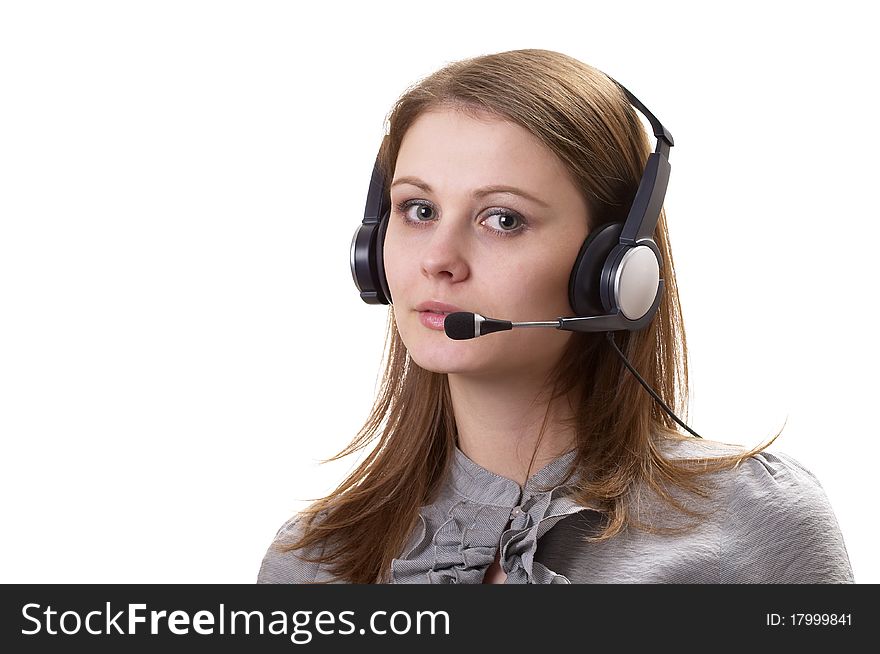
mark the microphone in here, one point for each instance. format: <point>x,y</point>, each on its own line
<point>464,325</point>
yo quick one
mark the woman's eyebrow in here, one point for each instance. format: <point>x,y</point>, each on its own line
<point>478,193</point>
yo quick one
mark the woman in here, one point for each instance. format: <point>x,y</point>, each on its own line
<point>533,455</point>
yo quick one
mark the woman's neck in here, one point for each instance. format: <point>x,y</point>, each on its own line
<point>499,420</point>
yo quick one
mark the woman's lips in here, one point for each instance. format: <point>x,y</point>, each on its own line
<point>432,320</point>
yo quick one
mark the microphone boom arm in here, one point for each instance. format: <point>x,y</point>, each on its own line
<point>464,325</point>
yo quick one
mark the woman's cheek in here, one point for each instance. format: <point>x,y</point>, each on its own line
<point>393,272</point>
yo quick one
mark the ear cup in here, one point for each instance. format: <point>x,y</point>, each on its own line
<point>584,284</point>
<point>631,279</point>
<point>367,261</point>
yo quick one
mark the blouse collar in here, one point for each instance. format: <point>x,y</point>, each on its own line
<point>482,486</point>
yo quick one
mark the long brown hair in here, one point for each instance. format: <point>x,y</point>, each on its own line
<point>583,117</point>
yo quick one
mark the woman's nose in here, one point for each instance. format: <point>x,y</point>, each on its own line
<point>445,249</point>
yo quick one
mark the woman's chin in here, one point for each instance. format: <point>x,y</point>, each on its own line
<point>446,358</point>
<point>434,351</point>
<point>440,364</point>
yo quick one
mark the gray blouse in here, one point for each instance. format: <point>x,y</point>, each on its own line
<point>769,521</point>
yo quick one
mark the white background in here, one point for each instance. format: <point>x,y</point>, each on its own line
<point>180,337</point>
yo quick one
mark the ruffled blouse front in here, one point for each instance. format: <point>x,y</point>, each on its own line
<point>459,535</point>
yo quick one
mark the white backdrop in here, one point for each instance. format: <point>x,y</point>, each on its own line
<point>180,337</point>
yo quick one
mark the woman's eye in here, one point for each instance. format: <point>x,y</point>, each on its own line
<point>423,212</point>
<point>415,211</point>
<point>507,222</point>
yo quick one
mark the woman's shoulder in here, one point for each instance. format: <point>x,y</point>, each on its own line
<point>775,481</point>
<point>781,527</point>
<point>777,523</point>
<point>292,566</point>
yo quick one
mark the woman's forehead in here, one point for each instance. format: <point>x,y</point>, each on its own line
<point>450,144</point>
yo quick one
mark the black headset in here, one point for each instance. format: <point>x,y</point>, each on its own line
<point>615,282</point>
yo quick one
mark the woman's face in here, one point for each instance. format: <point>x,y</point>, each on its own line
<point>498,254</point>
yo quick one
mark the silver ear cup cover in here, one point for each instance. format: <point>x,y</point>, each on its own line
<point>636,280</point>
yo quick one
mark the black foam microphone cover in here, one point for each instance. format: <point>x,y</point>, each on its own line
<point>459,326</point>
